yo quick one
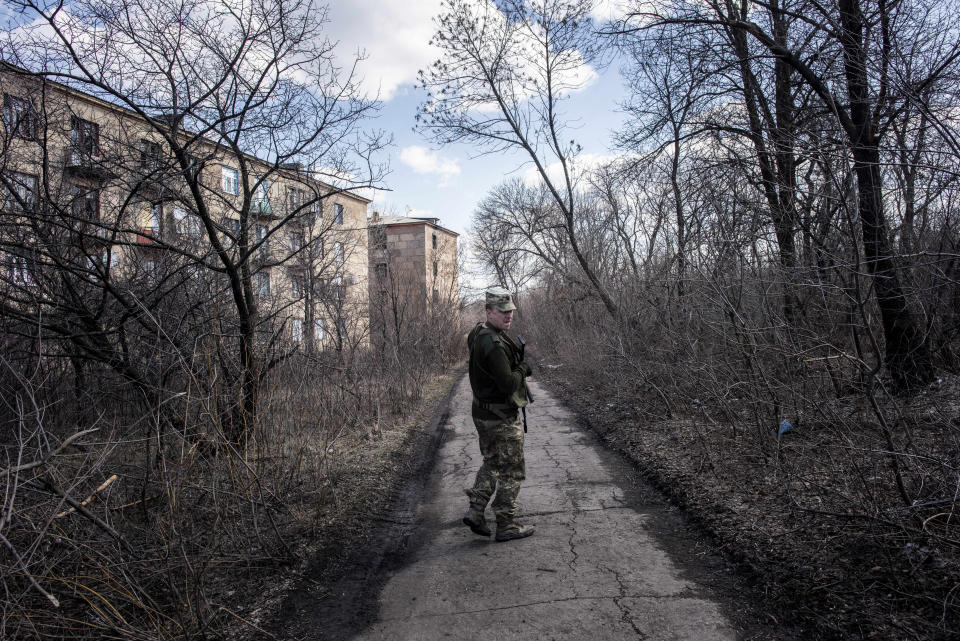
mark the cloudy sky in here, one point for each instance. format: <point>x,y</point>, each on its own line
<point>446,182</point>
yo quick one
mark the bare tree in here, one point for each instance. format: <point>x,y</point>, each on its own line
<point>500,83</point>
<point>255,83</point>
<point>518,231</point>
<point>859,45</point>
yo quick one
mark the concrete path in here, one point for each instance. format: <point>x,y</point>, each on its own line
<point>592,572</point>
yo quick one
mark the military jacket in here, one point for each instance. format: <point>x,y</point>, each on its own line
<point>496,373</point>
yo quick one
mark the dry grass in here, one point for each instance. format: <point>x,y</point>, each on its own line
<point>192,538</point>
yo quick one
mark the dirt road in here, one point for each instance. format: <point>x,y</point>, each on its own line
<point>596,569</point>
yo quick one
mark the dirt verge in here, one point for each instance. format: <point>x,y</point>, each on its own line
<point>331,592</point>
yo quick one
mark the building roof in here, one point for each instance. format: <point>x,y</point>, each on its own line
<point>409,220</point>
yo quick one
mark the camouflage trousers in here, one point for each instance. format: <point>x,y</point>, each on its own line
<point>503,468</point>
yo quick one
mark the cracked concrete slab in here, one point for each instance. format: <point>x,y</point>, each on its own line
<point>594,569</point>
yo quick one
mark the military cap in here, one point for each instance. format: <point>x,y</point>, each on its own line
<point>500,298</point>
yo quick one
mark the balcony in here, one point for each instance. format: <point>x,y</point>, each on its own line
<point>262,209</point>
<point>264,256</point>
<point>92,233</point>
<point>81,162</point>
<point>147,236</point>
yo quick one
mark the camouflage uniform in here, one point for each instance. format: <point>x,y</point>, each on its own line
<point>497,377</point>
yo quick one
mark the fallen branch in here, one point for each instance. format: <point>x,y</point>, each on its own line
<point>100,523</point>
<point>66,443</point>
<point>53,600</point>
<point>137,502</point>
<point>90,498</point>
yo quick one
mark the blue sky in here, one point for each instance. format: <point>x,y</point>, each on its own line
<point>445,182</point>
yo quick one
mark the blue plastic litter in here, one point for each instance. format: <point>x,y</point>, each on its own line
<point>785,427</point>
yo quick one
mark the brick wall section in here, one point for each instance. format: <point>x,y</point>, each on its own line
<point>410,258</point>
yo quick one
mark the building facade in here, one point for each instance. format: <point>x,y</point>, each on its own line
<point>413,273</point>
<point>125,203</point>
<point>417,250</point>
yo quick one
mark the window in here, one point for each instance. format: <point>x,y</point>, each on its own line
<point>435,269</point>
<point>338,253</point>
<point>194,167</point>
<point>156,217</point>
<point>262,283</point>
<point>302,202</point>
<point>110,258</point>
<point>19,272</point>
<point>232,225</point>
<point>188,224</point>
<point>20,191</point>
<point>296,241</point>
<point>319,329</point>
<point>381,271</point>
<point>338,290</point>
<point>84,140</point>
<point>153,221</point>
<point>99,265</point>
<point>295,199</point>
<point>296,330</point>
<point>261,198</point>
<point>264,246</point>
<point>338,213</point>
<point>86,203</point>
<point>380,238</point>
<point>20,117</point>
<point>229,180</point>
<point>149,155</point>
<point>434,239</point>
<point>296,285</point>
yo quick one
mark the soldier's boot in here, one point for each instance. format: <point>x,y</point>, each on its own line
<point>512,530</point>
<point>476,521</point>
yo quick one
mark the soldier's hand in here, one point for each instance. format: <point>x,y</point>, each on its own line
<point>526,369</point>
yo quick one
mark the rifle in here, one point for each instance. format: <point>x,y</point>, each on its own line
<point>523,348</point>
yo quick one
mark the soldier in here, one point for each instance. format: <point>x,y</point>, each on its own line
<point>497,377</point>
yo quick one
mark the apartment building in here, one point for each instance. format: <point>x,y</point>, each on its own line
<point>414,259</point>
<point>130,202</point>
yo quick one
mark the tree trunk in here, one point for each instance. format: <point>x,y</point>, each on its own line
<point>678,213</point>
<point>777,168</point>
<point>907,357</point>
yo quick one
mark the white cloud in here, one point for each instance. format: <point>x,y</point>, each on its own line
<point>393,34</point>
<point>424,161</point>
<point>523,74</point>
<point>604,10</point>
<point>414,212</point>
